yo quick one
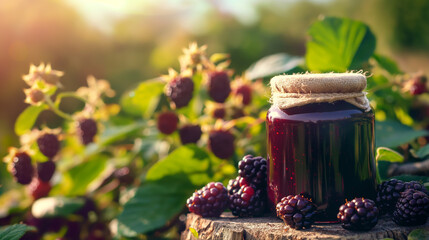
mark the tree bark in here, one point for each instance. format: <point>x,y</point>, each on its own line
<point>228,227</point>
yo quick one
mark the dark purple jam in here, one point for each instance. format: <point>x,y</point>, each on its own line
<point>325,150</point>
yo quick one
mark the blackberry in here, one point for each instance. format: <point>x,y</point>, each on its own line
<point>36,96</point>
<point>412,208</point>
<point>45,170</point>
<point>86,130</point>
<point>210,201</point>
<point>388,193</point>
<point>219,86</point>
<point>296,211</point>
<point>39,189</point>
<point>358,214</point>
<point>221,143</point>
<point>219,112</point>
<point>190,134</point>
<point>253,169</point>
<point>22,169</point>
<point>235,184</point>
<point>180,90</point>
<point>48,144</point>
<point>245,91</point>
<point>416,186</point>
<point>167,122</point>
<point>248,201</point>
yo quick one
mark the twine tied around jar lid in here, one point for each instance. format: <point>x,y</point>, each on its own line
<point>289,91</point>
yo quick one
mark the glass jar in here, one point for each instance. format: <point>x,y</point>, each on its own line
<point>324,150</point>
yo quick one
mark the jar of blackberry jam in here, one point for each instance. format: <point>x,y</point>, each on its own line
<point>320,139</point>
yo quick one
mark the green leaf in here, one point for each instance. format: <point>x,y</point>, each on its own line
<point>167,186</point>
<point>14,232</point>
<point>418,234</point>
<point>56,207</point>
<point>143,99</point>
<point>387,64</point>
<point>27,118</point>
<point>389,155</point>
<point>423,151</point>
<point>273,64</point>
<point>116,133</point>
<point>77,179</point>
<point>338,44</point>
<point>392,134</point>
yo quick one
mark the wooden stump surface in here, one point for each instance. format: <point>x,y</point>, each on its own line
<point>228,227</point>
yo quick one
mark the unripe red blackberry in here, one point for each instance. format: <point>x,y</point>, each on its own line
<point>245,91</point>
<point>210,201</point>
<point>39,189</point>
<point>416,85</point>
<point>358,214</point>
<point>167,122</point>
<point>190,134</point>
<point>180,90</point>
<point>412,208</point>
<point>86,130</point>
<point>296,211</point>
<point>219,86</point>
<point>22,169</point>
<point>254,170</point>
<point>48,144</point>
<point>221,143</point>
<point>45,170</point>
<point>248,201</point>
<point>235,184</point>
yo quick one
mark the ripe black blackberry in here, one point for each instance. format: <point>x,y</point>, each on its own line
<point>254,170</point>
<point>210,201</point>
<point>48,144</point>
<point>180,90</point>
<point>190,134</point>
<point>388,193</point>
<point>86,130</point>
<point>248,201</point>
<point>296,211</point>
<point>219,112</point>
<point>245,91</point>
<point>219,86</point>
<point>167,122</point>
<point>416,186</point>
<point>412,208</point>
<point>358,214</point>
<point>221,143</point>
<point>45,170</point>
<point>22,169</point>
<point>235,184</point>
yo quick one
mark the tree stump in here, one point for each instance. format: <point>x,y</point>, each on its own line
<point>228,227</point>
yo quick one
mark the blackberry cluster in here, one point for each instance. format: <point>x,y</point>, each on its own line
<point>221,143</point>
<point>22,169</point>
<point>190,134</point>
<point>358,214</point>
<point>210,201</point>
<point>253,169</point>
<point>180,90</point>
<point>296,211</point>
<point>86,130</point>
<point>167,122</point>
<point>45,170</point>
<point>412,208</point>
<point>219,86</point>
<point>248,201</point>
<point>48,144</point>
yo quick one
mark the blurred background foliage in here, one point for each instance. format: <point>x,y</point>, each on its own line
<point>128,42</point>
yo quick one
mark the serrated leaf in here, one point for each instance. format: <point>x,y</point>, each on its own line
<point>392,134</point>
<point>388,155</point>
<point>167,186</point>
<point>14,232</point>
<point>423,151</point>
<point>273,64</point>
<point>419,234</point>
<point>338,44</point>
<point>27,118</point>
<point>56,207</point>
<point>387,64</point>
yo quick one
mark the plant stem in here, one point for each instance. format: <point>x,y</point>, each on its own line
<point>56,110</point>
<point>68,94</point>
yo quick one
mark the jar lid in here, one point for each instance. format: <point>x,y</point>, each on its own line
<point>300,89</point>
